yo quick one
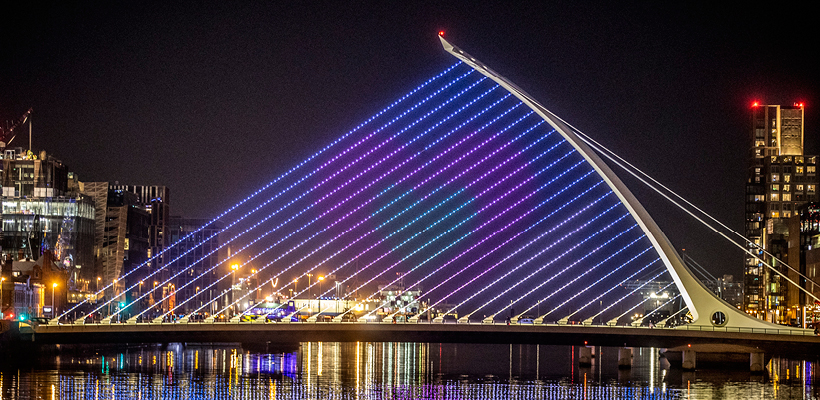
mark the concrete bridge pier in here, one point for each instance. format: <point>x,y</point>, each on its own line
<point>757,362</point>
<point>625,357</point>
<point>689,360</point>
<point>584,356</point>
<point>718,356</point>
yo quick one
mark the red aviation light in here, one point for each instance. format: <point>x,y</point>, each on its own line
<point>755,104</point>
<point>441,33</point>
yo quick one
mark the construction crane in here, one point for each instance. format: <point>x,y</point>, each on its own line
<point>7,134</point>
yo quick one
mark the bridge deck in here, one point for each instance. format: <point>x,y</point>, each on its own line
<point>420,332</point>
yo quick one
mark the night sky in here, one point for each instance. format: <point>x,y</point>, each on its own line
<point>215,100</point>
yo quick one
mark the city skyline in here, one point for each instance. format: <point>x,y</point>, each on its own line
<point>192,97</point>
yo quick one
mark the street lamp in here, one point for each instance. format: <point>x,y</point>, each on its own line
<point>256,282</point>
<point>321,278</point>
<point>53,309</point>
<point>234,268</point>
<point>295,285</point>
<point>338,285</point>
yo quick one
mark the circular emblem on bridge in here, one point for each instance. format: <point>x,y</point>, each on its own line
<point>718,318</point>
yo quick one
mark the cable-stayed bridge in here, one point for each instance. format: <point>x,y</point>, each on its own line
<point>468,198</point>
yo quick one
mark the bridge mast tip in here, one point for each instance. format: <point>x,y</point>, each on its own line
<point>444,43</point>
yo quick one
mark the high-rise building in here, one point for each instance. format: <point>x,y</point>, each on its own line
<point>192,258</point>
<point>780,180</point>
<point>42,211</point>
<point>156,201</point>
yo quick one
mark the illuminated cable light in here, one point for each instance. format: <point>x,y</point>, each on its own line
<point>464,221</point>
<point>549,263</point>
<point>431,226</point>
<point>520,217</point>
<point>600,296</point>
<point>486,254</point>
<point>355,161</point>
<point>362,189</point>
<point>467,170</point>
<point>400,100</point>
<point>284,175</point>
<point>589,253</point>
<point>452,180</point>
<point>527,244</point>
<point>419,217</point>
<point>632,170</point>
<point>311,253</point>
<point>571,201</point>
<point>588,271</point>
<point>555,243</point>
<point>412,140</point>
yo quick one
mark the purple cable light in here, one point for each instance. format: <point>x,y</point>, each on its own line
<point>348,182</point>
<point>287,173</point>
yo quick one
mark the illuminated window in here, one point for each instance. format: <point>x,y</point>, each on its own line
<point>798,160</point>
<point>810,188</point>
<point>775,214</point>
<point>787,214</point>
<point>787,188</point>
<point>799,170</point>
<point>775,177</point>
<point>798,188</point>
<point>759,197</point>
<point>775,197</point>
<point>810,169</point>
<point>787,197</point>
<point>775,188</point>
<point>787,178</point>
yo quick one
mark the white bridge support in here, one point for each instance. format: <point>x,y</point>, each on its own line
<point>707,309</point>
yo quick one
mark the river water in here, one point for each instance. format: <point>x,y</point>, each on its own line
<point>383,371</point>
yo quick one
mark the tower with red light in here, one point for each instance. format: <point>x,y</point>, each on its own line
<point>781,181</point>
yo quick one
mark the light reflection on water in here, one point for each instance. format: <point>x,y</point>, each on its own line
<point>384,371</point>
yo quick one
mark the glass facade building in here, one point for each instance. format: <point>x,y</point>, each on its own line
<point>63,225</point>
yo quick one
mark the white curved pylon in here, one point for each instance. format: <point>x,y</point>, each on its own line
<point>702,303</point>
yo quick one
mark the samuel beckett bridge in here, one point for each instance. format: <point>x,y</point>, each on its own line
<point>492,218</point>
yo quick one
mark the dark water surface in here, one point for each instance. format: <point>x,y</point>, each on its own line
<point>383,371</point>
